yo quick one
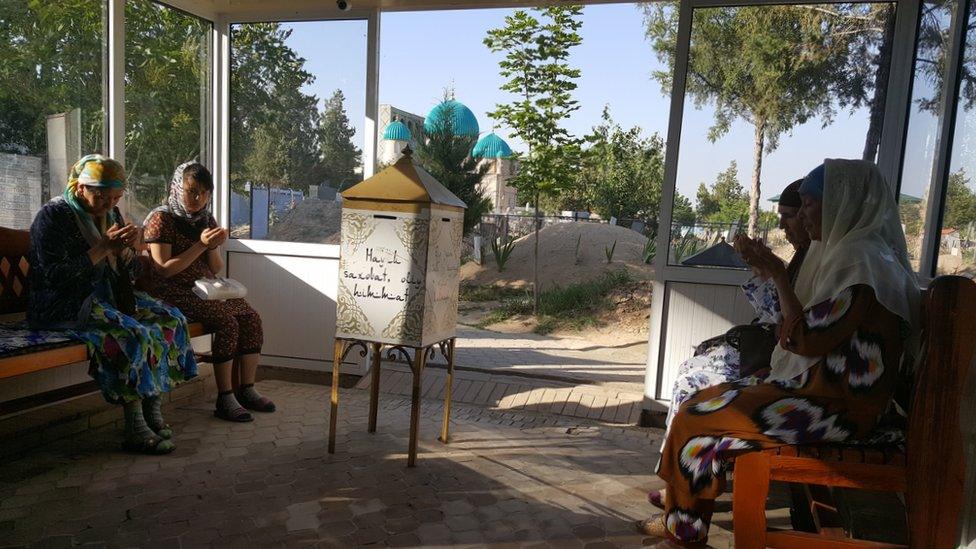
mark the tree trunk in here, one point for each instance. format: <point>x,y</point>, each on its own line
<point>757,154</point>
<point>883,68</point>
<point>535,260</point>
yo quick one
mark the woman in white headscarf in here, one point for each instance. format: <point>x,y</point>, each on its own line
<point>184,240</point>
<point>848,329</point>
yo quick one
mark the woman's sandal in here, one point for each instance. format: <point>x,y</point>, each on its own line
<point>152,446</point>
<point>237,415</point>
<point>263,404</point>
<point>656,498</point>
<point>165,432</point>
<point>656,527</point>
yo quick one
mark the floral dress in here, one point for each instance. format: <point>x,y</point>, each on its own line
<point>715,364</point>
<point>839,399</point>
<point>132,356</point>
<point>235,324</point>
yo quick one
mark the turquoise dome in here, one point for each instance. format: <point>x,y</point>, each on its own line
<point>491,146</point>
<point>396,131</point>
<point>463,121</point>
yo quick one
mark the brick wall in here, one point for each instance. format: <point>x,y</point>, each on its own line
<point>21,189</point>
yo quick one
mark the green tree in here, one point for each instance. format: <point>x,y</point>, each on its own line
<point>447,157</point>
<point>726,201</point>
<point>756,83</point>
<point>266,92</point>
<point>167,76</point>
<point>52,63</point>
<point>621,173</point>
<point>340,157</point>
<point>538,73</point>
<point>682,213</point>
<point>960,205</point>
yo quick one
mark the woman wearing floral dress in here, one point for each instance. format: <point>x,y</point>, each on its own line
<point>849,327</point>
<point>81,280</point>
<point>184,241</point>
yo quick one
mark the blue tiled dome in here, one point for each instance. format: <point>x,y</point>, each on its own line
<point>396,131</point>
<point>463,121</point>
<point>491,146</point>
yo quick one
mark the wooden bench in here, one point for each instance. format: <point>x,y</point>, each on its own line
<point>930,473</point>
<point>14,245</point>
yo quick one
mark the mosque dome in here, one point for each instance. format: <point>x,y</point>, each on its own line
<point>491,146</point>
<point>396,131</point>
<point>463,121</point>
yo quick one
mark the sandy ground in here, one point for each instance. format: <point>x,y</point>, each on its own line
<point>557,257</point>
<point>626,323</point>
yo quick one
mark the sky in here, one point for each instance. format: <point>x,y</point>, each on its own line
<point>422,53</point>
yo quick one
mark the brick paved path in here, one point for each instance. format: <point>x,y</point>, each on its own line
<point>510,478</point>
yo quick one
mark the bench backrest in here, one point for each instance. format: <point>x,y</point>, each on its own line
<point>13,270</point>
<point>936,461</point>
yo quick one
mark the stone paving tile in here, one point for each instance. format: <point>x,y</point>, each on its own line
<point>508,478</point>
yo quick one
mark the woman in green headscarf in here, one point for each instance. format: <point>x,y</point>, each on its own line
<point>81,280</point>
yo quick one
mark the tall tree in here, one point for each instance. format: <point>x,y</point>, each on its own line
<point>537,72</point>
<point>960,205</point>
<point>447,156</point>
<point>790,64</point>
<point>340,157</point>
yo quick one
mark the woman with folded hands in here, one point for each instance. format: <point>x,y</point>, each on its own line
<point>184,241</point>
<point>83,266</point>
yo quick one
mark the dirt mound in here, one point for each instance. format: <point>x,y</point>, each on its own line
<point>558,264</point>
<point>312,220</point>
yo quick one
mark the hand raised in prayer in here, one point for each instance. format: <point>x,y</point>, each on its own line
<point>759,257</point>
<point>211,238</point>
<point>118,237</point>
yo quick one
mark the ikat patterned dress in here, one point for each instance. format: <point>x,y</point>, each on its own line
<point>840,398</point>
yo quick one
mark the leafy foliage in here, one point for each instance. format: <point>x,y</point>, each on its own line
<point>621,172</point>
<point>53,63</point>
<point>537,72</point>
<point>790,64</point>
<point>340,157</point>
<point>726,201</point>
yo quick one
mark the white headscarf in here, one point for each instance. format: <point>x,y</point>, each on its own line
<point>862,243</point>
<point>175,205</point>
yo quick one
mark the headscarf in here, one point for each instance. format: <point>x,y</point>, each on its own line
<point>862,243</point>
<point>175,204</point>
<point>790,197</point>
<point>94,170</point>
<point>813,183</point>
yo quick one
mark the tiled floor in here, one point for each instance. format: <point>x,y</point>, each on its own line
<point>509,478</point>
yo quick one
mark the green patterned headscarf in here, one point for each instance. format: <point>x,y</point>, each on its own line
<point>94,170</point>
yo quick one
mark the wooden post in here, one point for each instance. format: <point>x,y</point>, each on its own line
<point>448,386</point>
<point>749,500</point>
<point>374,386</point>
<point>419,358</point>
<point>337,350</point>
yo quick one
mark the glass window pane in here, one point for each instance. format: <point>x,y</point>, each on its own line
<point>931,50</point>
<point>51,99</point>
<point>167,99</point>
<point>957,243</point>
<point>297,114</point>
<point>753,124</point>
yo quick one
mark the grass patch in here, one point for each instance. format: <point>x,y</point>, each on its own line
<point>575,306</point>
<point>469,292</point>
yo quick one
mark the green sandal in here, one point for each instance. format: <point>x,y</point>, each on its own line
<point>152,446</point>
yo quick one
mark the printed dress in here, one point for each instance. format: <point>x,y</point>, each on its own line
<point>132,357</point>
<point>715,364</point>
<point>840,398</point>
<point>235,324</point>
